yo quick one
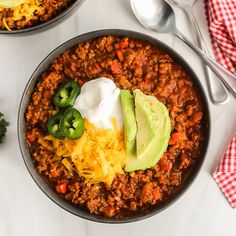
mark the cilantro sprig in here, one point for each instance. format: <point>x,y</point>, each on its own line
<point>3,127</point>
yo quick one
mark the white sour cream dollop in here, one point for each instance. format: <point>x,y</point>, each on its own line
<point>99,101</point>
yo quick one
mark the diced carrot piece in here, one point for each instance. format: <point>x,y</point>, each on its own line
<point>177,137</point>
<point>120,55</point>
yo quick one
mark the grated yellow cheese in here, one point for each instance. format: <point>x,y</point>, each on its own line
<point>97,156</point>
<point>24,11</point>
<point>6,25</point>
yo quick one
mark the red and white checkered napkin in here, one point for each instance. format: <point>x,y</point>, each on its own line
<point>225,174</point>
<point>221,15</point>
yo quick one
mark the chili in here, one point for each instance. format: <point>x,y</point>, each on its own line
<point>154,72</point>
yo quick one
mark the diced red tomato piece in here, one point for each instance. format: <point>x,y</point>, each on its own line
<point>123,43</point>
<point>61,188</point>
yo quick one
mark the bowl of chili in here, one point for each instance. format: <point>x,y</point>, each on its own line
<point>129,198</point>
<point>47,15</point>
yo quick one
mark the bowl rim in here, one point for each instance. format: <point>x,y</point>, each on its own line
<point>38,179</point>
<point>47,24</point>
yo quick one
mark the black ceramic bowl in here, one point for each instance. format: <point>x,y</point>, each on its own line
<point>22,128</point>
<point>48,24</point>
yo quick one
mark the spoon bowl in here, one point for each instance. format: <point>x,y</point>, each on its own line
<point>154,15</point>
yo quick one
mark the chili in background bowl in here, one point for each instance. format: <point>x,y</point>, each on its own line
<point>40,181</point>
<point>46,25</point>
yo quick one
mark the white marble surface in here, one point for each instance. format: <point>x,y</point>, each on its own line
<point>26,211</point>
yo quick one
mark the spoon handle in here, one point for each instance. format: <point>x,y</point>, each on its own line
<point>217,91</point>
<point>226,77</point>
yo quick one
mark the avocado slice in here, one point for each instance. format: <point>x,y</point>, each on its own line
<point>153,132</point>
<point>145,117</point>
<point>130,126</point>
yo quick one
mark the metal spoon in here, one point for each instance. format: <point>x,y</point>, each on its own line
<point>157,15</point>
<point>217,91</point>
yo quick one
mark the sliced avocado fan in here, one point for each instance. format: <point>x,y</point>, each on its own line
<point>130,126</point>
<point>153,133</point>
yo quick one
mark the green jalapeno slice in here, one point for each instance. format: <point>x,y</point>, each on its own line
<point>72,124</point>
<point>66,94</point>
<point>53,127</point>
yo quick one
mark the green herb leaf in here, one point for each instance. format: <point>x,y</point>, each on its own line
<point>3,127</point>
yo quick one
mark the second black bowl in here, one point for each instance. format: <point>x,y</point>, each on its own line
<point>48,24</point>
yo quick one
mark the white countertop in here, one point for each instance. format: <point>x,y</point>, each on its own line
<point>26,211</point>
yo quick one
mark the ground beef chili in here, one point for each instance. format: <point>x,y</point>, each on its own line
<point>49,9</point>
<point>131,64</point>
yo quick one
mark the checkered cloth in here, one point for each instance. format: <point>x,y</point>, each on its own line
<point>221,15</point>
<point>225,174</point>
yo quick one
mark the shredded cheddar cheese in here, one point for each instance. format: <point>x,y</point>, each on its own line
<point>24,11</point>
<point>97,156</point>
<point>6,25</point>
